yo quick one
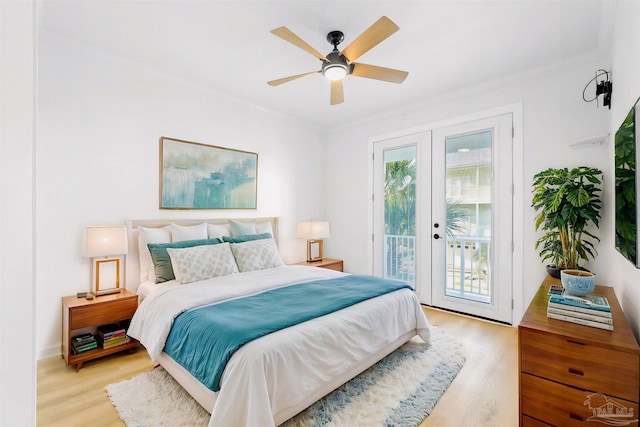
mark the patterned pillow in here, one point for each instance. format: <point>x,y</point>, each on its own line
<point>202,262</point>
<point>161,260</point>
<point>256,255</point>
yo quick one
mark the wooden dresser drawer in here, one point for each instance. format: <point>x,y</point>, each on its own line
<point>561,405</point>
<point>98,314</point>
<point>588,367</point>
<point>532,422</point>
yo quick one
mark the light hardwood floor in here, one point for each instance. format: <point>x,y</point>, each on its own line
<point>485,392</point>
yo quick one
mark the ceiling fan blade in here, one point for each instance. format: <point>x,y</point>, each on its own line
<point>337,92</point>
<point>379,73</point>
<point>288,79</point>
<point>373,35</point>
<point>287,35</point>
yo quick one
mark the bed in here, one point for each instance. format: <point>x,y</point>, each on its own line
<point>275,373</point>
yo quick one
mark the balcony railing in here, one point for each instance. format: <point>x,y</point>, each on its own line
<point>400,258</point>
<point>468,264</point>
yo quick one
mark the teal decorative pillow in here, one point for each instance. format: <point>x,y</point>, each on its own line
<point>242,228</point>
<point>247,238</point>
<point>145,236</point>
<point>202,262</point>
<point>160,258</point>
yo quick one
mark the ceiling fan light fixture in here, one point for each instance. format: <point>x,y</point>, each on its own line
<point>335,71</point>
<point>337,65</point>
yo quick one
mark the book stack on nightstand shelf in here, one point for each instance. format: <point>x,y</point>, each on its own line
<point>82,343</point>
<point>112,335</point>
<point>588,310</point>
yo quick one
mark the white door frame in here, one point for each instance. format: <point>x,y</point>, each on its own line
<point>517,255</point>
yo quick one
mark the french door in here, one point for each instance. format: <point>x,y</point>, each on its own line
<point>442,215</point>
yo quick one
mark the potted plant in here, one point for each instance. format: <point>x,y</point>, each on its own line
<point>567,202</point>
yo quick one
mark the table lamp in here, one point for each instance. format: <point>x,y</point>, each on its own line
<point>314,232</point>
<point>105,245</point>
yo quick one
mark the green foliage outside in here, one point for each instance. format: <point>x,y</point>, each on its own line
<point>400,203</point>
<point>400,198</point>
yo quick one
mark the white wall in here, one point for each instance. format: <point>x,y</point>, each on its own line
<point>625,66</point>
<point>17,136</point>
<point>100,119</point>
<point>554,116</point>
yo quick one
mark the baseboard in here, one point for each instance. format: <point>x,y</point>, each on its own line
<point>45,353</point>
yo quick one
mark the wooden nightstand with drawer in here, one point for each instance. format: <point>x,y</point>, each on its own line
<point>573,375</point>
<point>330,263</point>
<point>81,315</point>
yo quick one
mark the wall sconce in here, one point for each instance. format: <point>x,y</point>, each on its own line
<point>604,87</point>
<point>314,232</point>
<point>104,245</point>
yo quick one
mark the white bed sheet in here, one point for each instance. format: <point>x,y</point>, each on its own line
<point>148,288</point>
<point>272,378</point>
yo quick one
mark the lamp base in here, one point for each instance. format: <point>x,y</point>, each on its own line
<point>314,250</point>
<point>107,276</point>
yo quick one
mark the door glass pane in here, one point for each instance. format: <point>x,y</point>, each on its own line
<point>400,213</point>
<point>468,216</point>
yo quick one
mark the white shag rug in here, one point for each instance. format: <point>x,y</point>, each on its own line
<point>400,390</point>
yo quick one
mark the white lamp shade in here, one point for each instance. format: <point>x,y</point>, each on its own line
<point>313,229</point>
<point>104,241</point>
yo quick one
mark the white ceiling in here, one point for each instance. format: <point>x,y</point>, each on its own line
<point>448,47</point>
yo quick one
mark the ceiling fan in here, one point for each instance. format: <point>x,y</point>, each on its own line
<point>337,65</point>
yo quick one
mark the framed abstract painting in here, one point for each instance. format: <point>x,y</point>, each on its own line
<point>200,176</point>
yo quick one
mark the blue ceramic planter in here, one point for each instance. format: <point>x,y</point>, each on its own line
<point>578,282</point>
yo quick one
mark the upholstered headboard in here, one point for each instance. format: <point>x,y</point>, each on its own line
<point>132,266</point>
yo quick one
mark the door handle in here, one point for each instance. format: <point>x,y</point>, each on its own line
<point>436,236</point>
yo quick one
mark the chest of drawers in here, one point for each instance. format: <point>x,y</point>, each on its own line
<point>575,375</point>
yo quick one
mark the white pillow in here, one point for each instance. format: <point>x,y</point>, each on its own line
<point>264,227</point>
<point>256,255</point>
<point>242,228</point>
<point>218,230</point>
<point>150,235</point>
<point>180,233</point>
<point>202,262</point>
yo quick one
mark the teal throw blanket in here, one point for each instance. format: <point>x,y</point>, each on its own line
<point>203,339</point>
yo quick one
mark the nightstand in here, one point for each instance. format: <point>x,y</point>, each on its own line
<point>330,263</point>
<point>80,315</point>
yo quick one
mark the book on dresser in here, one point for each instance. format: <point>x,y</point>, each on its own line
<point>589,302</point>
<point>591,311</point>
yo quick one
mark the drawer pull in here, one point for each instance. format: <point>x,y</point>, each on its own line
<point>575,417</point>
<point>575,342</point>
<point>576,372</point>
